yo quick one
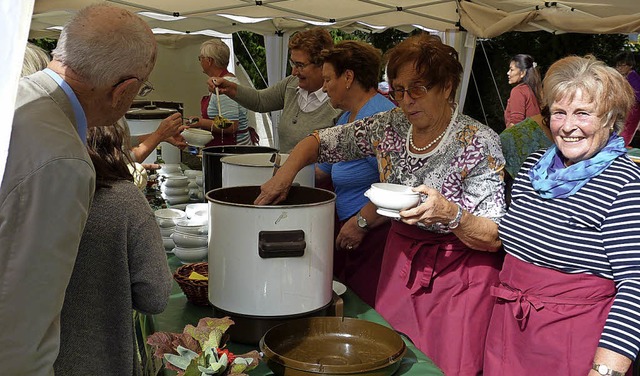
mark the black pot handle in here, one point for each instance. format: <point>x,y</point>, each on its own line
<point>273,244</point>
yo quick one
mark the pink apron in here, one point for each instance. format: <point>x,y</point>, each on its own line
<point>435,289</point>
<point>359,268</point>
<point>545,322</point>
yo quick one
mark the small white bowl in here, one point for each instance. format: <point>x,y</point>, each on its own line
<point>394,197</point>
<point>170,168</point>
<point>197,137</point>
<point>175,191</point>
<point>189,255</point>
<point>167,231</point>
<point>199,181</point>
<point>169,217</point>
<point>191,174</point>
<point>173,200</point>
<point>186,240</point>
<point>176,182</point>
<point>191,209</point>
<point>193,227</point>
<point>168,243</point>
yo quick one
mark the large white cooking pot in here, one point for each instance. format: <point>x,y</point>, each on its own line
<point>274,260</point>
<point>255,169</point>
<point>145,120</point>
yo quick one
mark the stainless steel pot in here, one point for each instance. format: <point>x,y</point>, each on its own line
<point>145,120</point>
<point>212,167</point>
<point>255,169</point>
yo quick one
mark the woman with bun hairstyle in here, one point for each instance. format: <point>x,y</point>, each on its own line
<point>524,100</point>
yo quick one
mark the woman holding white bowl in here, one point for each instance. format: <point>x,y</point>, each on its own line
<point>441,257</point>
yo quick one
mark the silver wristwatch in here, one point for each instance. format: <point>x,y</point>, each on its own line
<point>604,370</point>
<point>362,222</point>
<point>456,221</point>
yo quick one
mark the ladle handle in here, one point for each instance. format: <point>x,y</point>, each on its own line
<point>218,100</point>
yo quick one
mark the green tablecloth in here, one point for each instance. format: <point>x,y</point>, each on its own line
<point>180,312</point>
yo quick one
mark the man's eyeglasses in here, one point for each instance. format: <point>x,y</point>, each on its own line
<point>145,89</point>
<point>414,92</point>
<point>298,65</point>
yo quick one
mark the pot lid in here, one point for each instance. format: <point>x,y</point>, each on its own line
<point>334,345</point>
<point>149,112</point>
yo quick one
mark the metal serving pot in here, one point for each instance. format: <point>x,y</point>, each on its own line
<point>270,261</point>
<point>255,169</point>
<point>212,167</point>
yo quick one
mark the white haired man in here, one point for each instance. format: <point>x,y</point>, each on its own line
<point>102,61</point>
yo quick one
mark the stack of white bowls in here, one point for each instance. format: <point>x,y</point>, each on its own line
<point>167,220</point>
<point>174,185</point>
<point>191,235</point>
<point>196,192</point>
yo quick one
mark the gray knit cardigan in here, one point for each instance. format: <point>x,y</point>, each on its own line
<point>121,266</point>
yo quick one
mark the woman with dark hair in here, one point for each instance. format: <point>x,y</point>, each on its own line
<point>441,257</point>
<point>121,266</point>
<point>350,72</point>
<point>305,107</point>
<point>570,283</point>
<point>625,64</point>
<point>524,100</point>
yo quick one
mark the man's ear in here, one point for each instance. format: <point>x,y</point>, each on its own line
<point>119,93</point>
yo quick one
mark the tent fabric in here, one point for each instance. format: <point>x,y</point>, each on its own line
<point>483,18</point>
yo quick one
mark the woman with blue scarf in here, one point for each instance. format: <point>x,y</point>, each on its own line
<point>569,298</point>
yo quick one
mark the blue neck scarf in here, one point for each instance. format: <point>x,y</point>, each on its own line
<point>551,179</point>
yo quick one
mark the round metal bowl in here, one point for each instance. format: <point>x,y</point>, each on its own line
<point>332,346</point>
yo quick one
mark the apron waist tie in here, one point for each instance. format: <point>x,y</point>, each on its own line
<point>524,301</point>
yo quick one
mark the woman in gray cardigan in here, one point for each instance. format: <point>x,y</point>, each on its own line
<point>121,266</point>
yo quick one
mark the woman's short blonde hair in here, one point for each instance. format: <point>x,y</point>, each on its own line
<point>217,50</point>
<point>35,59</point>
<point>602,85</point>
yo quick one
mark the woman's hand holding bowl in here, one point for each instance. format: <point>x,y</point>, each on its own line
<point>434,209</point>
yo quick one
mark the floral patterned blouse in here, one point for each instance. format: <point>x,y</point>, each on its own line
<point>466,166</point>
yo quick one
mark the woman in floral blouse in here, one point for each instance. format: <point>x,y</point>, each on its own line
<point>441,257</point>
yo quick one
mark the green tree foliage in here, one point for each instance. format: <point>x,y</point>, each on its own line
<point>492,58</point>
<point>250,51</point>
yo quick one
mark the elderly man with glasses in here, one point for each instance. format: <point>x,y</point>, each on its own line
<point>49,178</point>
<point>305,107</point>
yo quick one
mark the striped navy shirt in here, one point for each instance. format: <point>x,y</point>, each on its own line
<point>595,231</point>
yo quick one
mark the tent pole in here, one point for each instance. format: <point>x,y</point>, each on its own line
<point>492,76</point>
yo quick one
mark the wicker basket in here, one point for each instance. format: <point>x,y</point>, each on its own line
<point>197,291</point>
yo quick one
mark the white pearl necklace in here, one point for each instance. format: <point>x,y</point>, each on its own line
<point>430,144</point>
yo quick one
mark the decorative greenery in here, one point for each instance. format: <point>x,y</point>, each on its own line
<point>200,350</point>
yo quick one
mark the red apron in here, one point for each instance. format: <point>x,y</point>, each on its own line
<point>435,289</point>
<point>545,322</point>
<point>359,268</point>
<point>218,139</point>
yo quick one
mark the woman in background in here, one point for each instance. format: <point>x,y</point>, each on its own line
<point>570,283</point>
<point>625,64</point>
<point>121,266</point>
<point>524,99</point>
<point>214,59</point>
<point>350,73</point>
<point>305,107</point>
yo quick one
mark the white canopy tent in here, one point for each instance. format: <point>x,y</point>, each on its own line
<point>276,19</point>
